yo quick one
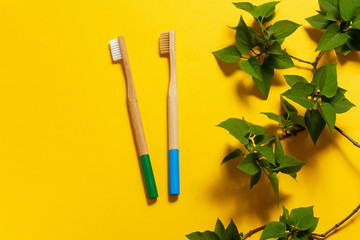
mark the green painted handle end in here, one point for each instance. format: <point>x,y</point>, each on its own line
<point>148,176</point>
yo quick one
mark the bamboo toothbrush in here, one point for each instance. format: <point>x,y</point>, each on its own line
<point>168,45</point>
<point>118,52</point>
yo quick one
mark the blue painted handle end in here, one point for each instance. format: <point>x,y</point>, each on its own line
<point>174,178</point>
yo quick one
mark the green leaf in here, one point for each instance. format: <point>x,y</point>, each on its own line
<point>314,123</point>
<point>356,22</point>
<point>267,73</point>
<point>267,19</point>
<point>265,10</point>
<point>234,154</point>
<point>195,236</point>
<point>318,21</point>
<point>245,6</point>
<point>267,152</point>
<point>339,102</point>
<point>243,38</point>
<point>231,232</point>
<point>293,79</point>
<point>219,228</point>
<point>275,48</point>
<point>282,29</point>
<point>325,79</point>
<point>290,165</point>
<point>262,139</point>
<point>329,5</point>
<point>297,119</point>
<point>354,41</point>
<point>348,9</point>
<point>207,235</point>
<point>248,165</point>
<point>255,179</point>
<point>333,15</point>
<point>255,129</point>
<point>279,152</point>
<point>251,67</point>
<point>287,106</point>
<point>273,116</point>
<point>229,54</point>
<point>299,93</point>
<point>300,236</point>
<point>313,227</point>
<point>329,115</point>
<point>332,38</point>
<point>285,217</point>
<point>343,49</point>
<point>274,230</point>
<point>237,128</point>
<point>282,61</point>
<point>274,184</point>
<point>302,218</point>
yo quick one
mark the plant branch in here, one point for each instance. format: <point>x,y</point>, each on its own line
<point>347,136</point>
<point>338,224</point>
<point>251,232</point>
<point>300,60</point>
<point>285,136</point>
<point>336,128</point>
<point>314,63</point>
<point>289,135</point>
<point>323,235</point>
<point>317,59</point>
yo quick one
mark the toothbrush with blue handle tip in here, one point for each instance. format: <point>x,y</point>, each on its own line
<point>119,52</point>
<point>168,46</point>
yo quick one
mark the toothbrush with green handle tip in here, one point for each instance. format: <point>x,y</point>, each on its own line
<point>168,45</point>
<point>119,52</point>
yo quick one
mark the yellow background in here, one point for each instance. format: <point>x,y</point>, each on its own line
<point>68,165</point>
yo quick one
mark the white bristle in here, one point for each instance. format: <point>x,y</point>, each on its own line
<point>164,42</point>
<point>115,50</point>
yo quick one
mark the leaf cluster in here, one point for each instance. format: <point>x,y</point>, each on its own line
<point>322,98</point>
<point>291,122</point>
<point>262,155</point>
<point>259,53</point>
<point>220,233</point>
<point>341,19</point>
<point>298,225</point>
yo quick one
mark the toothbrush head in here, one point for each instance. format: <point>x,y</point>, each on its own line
<point>115,50</point>
<point>164,42</point>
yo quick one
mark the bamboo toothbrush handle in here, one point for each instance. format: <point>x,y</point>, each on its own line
<point>137,126</point>
<point>173,120</point>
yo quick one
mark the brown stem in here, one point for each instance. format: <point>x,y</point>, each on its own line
<point>317,59</point>
<point>347,136</point>
<point>338,224</point>
<point>289,135</point>
<point>314,63</point>
<point>251,232</point>
<point>336,128</point>
<point>300,60</point>
<point>284,136</point>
